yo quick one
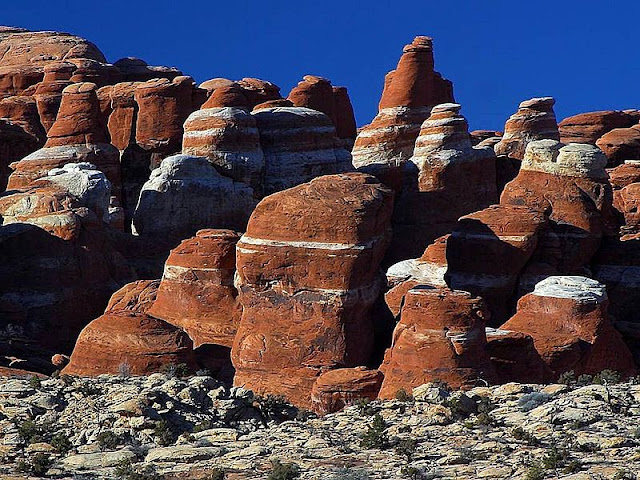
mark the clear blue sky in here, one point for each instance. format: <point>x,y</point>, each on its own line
<point>584,53</point>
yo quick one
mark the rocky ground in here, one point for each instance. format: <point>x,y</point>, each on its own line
<point>166,427</point>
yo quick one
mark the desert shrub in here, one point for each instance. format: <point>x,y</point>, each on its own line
<point>202,426</point>
<point>124,370</point>
<point>38,464</point>
<point>520,434</point>
<point>535,472</point>
<point>283,471</point>
<point>532,400</point>
<point>216,474</point>
<point>407,447</point>
<point>555,458</point>
<point>403,396</point>
<point>61,443</point>
<point>567,378</point>
<point>126,470</point>
<point>607,377</point>
<point>275,408</point>
<point>35,382</point>
<point>376,435</point>
<point>173,370</point>
<point>30,432</point>
<point>108,440</point>
<point>364,407</point>
<point>162,432</point>
<point>350,474</point>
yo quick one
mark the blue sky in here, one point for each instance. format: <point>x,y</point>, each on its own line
<point>584,53</point>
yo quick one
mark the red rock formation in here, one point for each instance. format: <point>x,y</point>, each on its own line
<point>57,267</point>
<point>567,319</point>
<point>197,292</point>
<point>137,70</point>
<point>126,338</point>
<point>335,389</point>
<point>15,144</point>
<point>76,136</point>
<point>163,105</point>
<point>48,93</point>
<point>534,120</point>
<point>298,144</point>
<point>26,54</point>
<point>569,185</point>
<point>229,138</point>
<point>487,251</point>
<point>23,112</point>
<point>227,96</point>
<point>410,91</point>
<point>478,136</point>
<point>92,71</point>
<point>307,284</point>
<point>440,336</point>
<point>444,179</point>
<point>589,127</point>
<point>315,93</point>
<point>259,91</point>
<point>515,358</point>
<point>345,119</point>
<point>621,144</point>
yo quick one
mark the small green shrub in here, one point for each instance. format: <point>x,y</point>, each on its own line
<point>30,432</point>
<point>61,443</point>
<point>520,434</point>
<point>38,464</point>
<point>403,396</point>
<point>202,426</point>
<point>533,400</point>
<point>376,435</point>
<point>535,472</point>
<point>364,407</point>
<point>567,378</point>
<point>217,474</point>
<point>35,382</point>
<point>276,408</point>
<point>162,432</point>
<point>407,447</point>
<point>108,440</point>
<point>173,370</point>
<point>412,473</point>
<point>283,471</point>
<point>555,458</point>
<point>607,377</point>
<point>126,470</point>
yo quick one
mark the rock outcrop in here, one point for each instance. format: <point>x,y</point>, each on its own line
<point>410,92</point>
<point>621,144</point>
<point>440,336</point>
<point>444,179</point>
<point>307,284</point>
<point>567,318</point>
<point>77,136</point>
<point>488,249</point>
<point>229,138</point>
<point>125,340</point>
<point>335,389</point>
<point>534,120</point>
<point>299,144</point>
<point>589,127</point>
<point>515,358</point>
<point>197,293</point>
<point>186,194</point>
<point>568,183</point>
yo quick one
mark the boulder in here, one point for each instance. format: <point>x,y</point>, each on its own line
<point>534,120</point>
<point>307,283</point>
<point>232,95</point>
<point>345,120</point>
<point>440,336</point>
<point>315,93</point>
<point>567,318</point>
<point>186,194</point>
<point>197,293</point>
<point>335,389</point>
<point>444,179</point>
<point>410,91</point>
<point>515,358</point>
<point>258,91</point>
<point>126,339</point>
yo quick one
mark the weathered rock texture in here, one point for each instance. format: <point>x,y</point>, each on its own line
<point>186,194</point>
<point>568,183</point>
<point>127,340</point>
<point>515,358</point>
<point>444,179</point>
<point>589,127</point>
<point>487,251</point>
<point>335,389</point>
<point>77,136</point>
<point>307,283</point>
<point>229,138</point>
<point>298,144</point>
<point>197,293</point>
<point>410,91</point>
<point>534,120</point>
<point>440,336</point>
<point>621,144</point>
<point>567,319</point>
